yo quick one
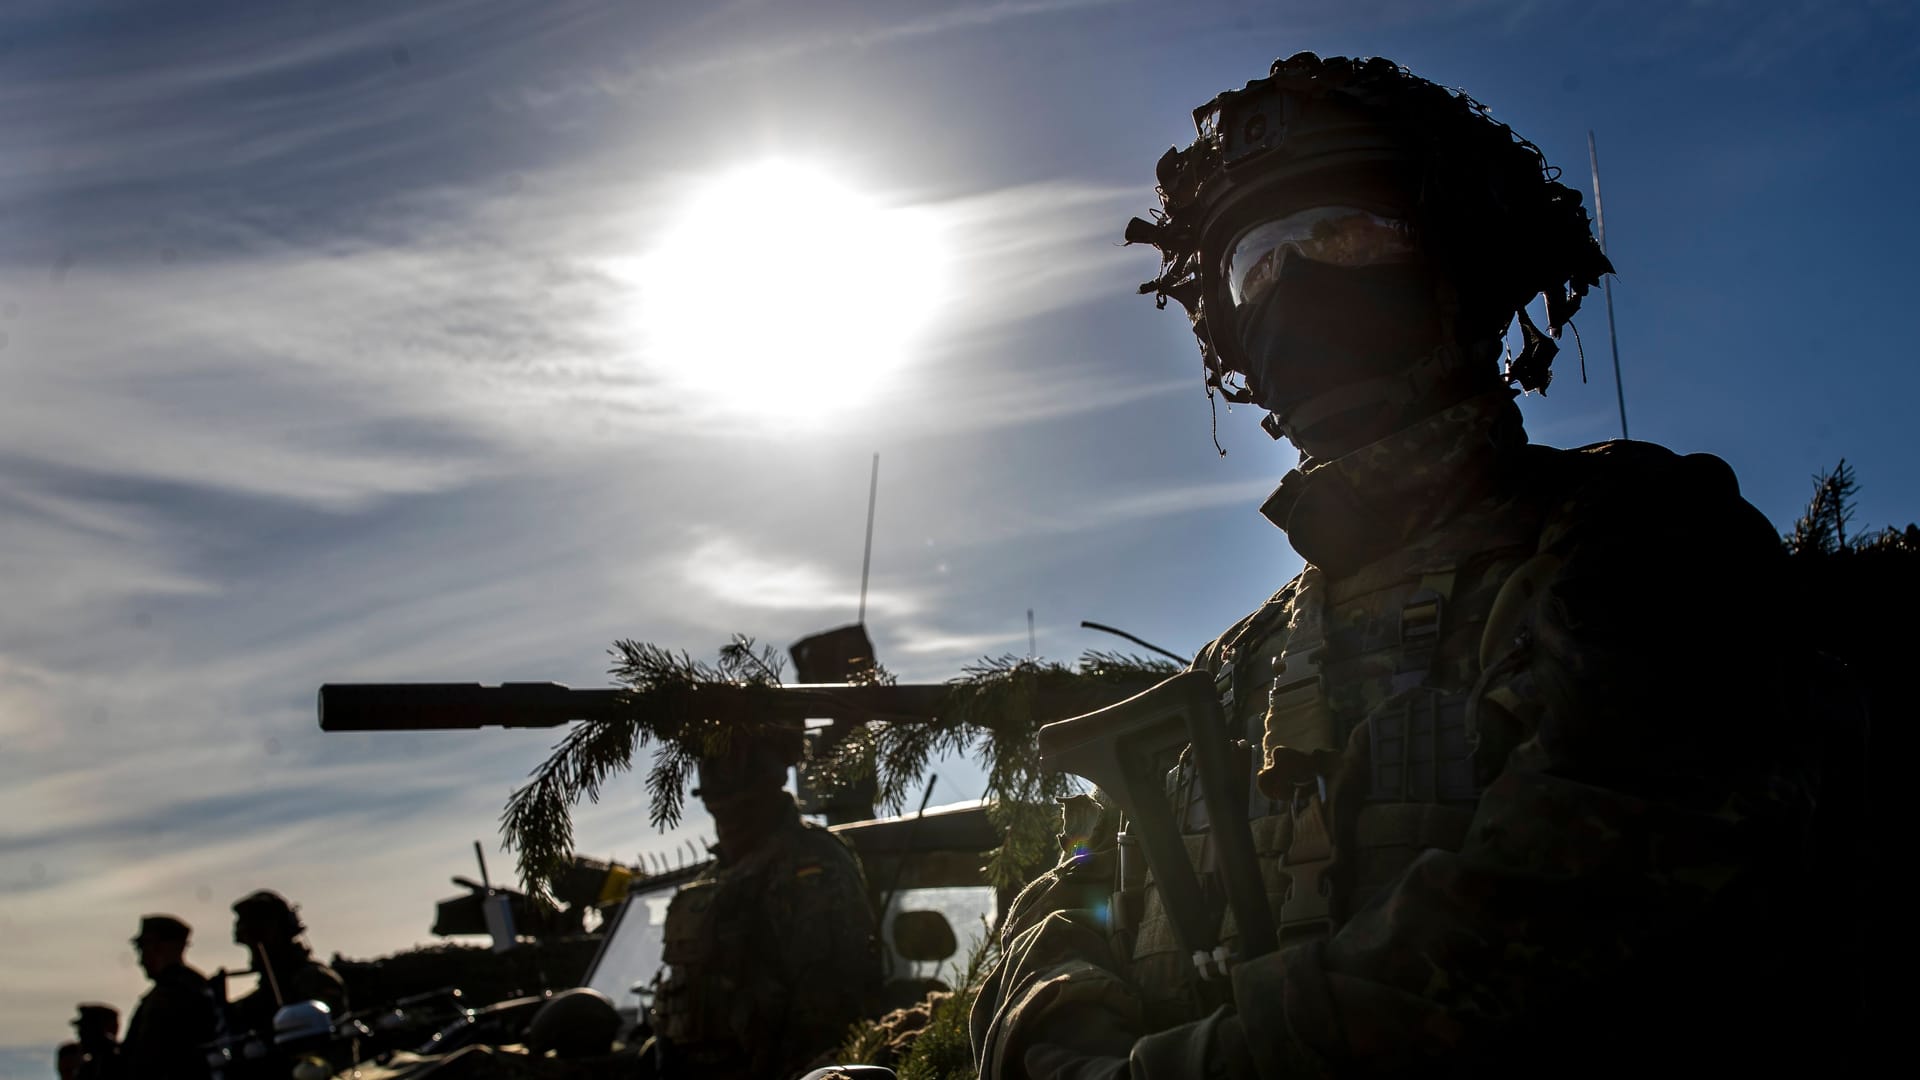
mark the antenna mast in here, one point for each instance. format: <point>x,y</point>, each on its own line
<point>866,560</point>
<point>1606,281</point>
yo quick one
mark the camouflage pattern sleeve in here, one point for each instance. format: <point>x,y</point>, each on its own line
<point>1057,1002</point>
<point>1630,883</point>
<point>826,948</point>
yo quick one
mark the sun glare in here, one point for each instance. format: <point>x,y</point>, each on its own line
<point>779,291</point>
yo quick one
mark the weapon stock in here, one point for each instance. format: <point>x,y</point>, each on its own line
<point>1120,748</point>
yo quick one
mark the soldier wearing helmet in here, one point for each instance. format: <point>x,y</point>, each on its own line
<point>96,1031</point>
<point>1515,784</point>
<point>576,1023</point>
<point>69,1059</point>
<point>270,929</point>
<point>178,1017</point>
<point>771,954</point>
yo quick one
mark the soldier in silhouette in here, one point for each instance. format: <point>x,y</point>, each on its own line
<point>166,1040</point>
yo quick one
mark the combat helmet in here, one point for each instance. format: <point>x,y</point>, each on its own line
<point>265,915</point>
<point>744,758</point>
<point>1487,213</point>
<point>580,1022</point>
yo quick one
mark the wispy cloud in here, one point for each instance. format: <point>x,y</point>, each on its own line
<point>1088,514</point>
<point>1730,39</point>
<point>1039,247</point>
<point>369,371</point>
<point>63,560</point>
<point>216,97</point>
<point>855,31</point>
<point>731,572</point>
<point>918,641</point>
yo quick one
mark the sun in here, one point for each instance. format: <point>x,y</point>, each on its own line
<point>779,291</point>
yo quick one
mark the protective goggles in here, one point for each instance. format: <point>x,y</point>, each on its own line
<point>1337,235</point>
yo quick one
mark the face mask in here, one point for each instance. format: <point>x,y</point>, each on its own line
<point>1315,327</point>
<point>741,820</point>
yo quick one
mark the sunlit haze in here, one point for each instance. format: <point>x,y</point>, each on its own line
<point>780,290</point>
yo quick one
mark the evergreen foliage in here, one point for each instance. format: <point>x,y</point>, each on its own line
<point>944,1050</point>
<point>1822,528</point>
<point>1852,596</point>
<point>991,713</point>
<point>928,1040</point>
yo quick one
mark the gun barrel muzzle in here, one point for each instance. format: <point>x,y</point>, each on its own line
<point>457,706</point>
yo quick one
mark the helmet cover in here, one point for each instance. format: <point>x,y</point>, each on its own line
<point>1486,206</point>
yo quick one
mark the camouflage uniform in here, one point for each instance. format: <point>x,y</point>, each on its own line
<point>175,1020</point>
<point>769,957</point>
<point>1534,791</point>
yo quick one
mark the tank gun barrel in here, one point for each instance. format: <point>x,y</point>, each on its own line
<point>466,706</point>
<point>458,706</point>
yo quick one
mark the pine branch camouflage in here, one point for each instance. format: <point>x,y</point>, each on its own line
<point>990,712</point>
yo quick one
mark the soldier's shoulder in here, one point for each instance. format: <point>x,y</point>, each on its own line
<point>318,974</point>
<point>1272,612</point>
<point>178,993</point>
<point>180,977</point>
<point>1628,486</point>
<point>820,865</point>
<point>1626,466</point>
<point>812,840</point>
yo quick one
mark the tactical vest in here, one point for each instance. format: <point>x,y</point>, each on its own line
<point>702,1005</point>
<point>741,946</point>
<point>1357,688</point>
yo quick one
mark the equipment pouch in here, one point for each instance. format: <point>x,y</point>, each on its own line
<point>1419,749</point>
<point>692,1003</point>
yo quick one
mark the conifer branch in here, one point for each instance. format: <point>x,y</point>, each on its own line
<point>992,713</point>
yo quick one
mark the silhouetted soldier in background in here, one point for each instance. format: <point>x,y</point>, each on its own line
<point>270,928</point>
<point>167,1037</point>
<point>69,1059</point>
<point>97,1027</point>
<point>771,955</point>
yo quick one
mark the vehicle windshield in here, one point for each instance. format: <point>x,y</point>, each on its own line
<point>631,954</point>
<point>968,909</point>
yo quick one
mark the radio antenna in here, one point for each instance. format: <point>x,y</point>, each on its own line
<point>1606,282</point>
<point>866,559</point>
<point>1142,642</point>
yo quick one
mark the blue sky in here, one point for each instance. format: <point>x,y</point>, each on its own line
<point>326,354</point>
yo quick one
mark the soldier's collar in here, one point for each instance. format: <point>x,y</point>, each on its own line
<point>1344,513</point>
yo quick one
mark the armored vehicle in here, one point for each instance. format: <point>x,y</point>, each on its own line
<point>923,869</point>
